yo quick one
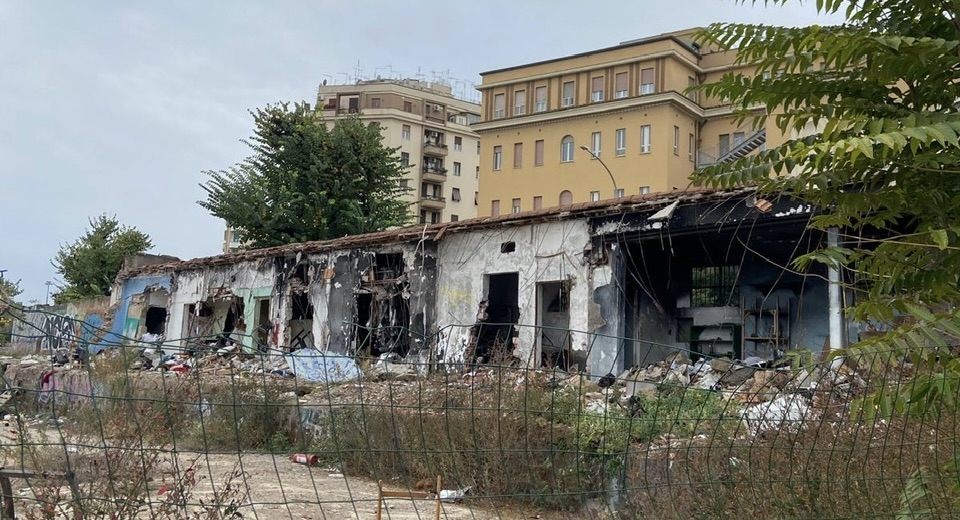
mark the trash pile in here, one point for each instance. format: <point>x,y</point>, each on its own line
<point>766,397</point>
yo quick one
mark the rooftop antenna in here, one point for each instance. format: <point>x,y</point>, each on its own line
<point>346,77</point>
<point>358,72</point>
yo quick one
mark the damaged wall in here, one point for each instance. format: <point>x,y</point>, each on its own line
<point>539,253</point>
<point>51,327</point>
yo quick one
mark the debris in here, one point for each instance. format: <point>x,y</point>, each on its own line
<point>787,410</point>
<point>313,365</point>
<point>306,460</point>
<point>453,495</point>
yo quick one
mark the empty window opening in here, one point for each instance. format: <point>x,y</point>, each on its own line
<point>301,321</point>
<point>155,320</point>
<point>389,267</point>
<point>301,273</point>
<point>508,247</point>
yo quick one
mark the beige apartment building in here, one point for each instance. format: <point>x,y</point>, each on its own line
<point>545,124</point>
<point>432,130</point>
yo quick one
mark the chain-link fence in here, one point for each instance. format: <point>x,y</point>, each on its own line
<point>157,431</point>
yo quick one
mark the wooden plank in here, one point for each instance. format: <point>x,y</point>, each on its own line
<point>412,495</point>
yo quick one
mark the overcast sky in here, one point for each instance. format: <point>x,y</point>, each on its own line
<point>116,107</point>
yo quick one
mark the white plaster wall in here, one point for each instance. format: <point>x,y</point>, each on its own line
<point>195,286</point>
<point>544,252</point>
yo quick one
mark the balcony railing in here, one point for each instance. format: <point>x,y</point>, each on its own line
<point>434,148</point>
<point>437,170</point>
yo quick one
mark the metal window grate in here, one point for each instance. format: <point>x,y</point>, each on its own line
<point>714,286</point>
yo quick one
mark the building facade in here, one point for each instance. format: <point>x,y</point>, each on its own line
<point>544,124</point>
<point>432,130</point>
<point>594,286</point>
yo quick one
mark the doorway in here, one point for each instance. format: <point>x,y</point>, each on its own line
<point>496,328</point>
<point>553,324</point>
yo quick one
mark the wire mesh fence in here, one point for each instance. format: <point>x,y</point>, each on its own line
<point>213,431</point>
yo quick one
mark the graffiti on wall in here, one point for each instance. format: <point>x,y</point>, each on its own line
<point>50,328</point>
<point>59,332</point>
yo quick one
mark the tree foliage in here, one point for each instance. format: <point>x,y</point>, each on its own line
<point>873,107</point>
<point>9,311</point>
<point>305,181</point>
<point>874,103</point>
<point>90,265</point>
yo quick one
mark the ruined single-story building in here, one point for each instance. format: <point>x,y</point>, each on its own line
<point>601,285</point>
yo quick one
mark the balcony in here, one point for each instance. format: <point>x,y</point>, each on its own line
<point>434,148</point>
<point>428,201</point>
<point>434,173</point>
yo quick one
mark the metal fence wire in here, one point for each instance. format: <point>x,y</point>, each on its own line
<point>137,432</point>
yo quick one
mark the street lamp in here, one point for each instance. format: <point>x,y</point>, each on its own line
<point>597,157</point>
<point>48,283</point>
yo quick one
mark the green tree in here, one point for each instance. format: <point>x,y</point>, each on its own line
<point>305,181</point>
<point>874,102</point>
<point>90,265</point>
<point>9,290</point>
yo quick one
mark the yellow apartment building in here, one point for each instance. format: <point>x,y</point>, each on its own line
<point>545,124</point>
<point>432,130</point>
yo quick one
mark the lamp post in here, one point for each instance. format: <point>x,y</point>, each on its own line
<point>48,283</point>
<point>597,157</point>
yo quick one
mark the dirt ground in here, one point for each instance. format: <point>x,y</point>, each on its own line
<point>280,489</point>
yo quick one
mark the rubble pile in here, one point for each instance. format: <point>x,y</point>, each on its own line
<point>766,396</point>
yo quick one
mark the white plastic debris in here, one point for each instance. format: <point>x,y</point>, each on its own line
<point>453,495</point>
<point>785,411</point>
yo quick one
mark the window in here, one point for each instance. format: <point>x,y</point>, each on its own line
<point>404,183</point>
<point>644,190</point>
<point>691,144</point>
<point>566,149</point>
<point>405,132</point>
<point>594,196</point>
<point>567,95</point>
<point>516,206</point>
<point>714,286</point>
<point>457,144</point>
<point>517,155</point>
<point>595,141</point>
<point>499,103</point>
<point>454,218</point>
<point>494,207</point>
<point>723,148</point>
<point>621,141</point>
<point>566,198</point>
<point>620,89</point>
<point>478,147</point>
<point>737,139</point>
<point>541,99</point>
<point>404,159</point>
<point>476,198</point>
<point>676,140</point>
<point>477,174</point>
<point>407,106</point>
<point>691,82</point>
<point>456,169</point>
<point>596,91</point>
<point>375,102</point>
<point>497,157</point>
<point>520,102</point>
<point>538,153</point>
<point>537,202</point>
<point>618,193</point>
<point>455,194</point>
<point>645,139</point>
<point>646,81</point>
